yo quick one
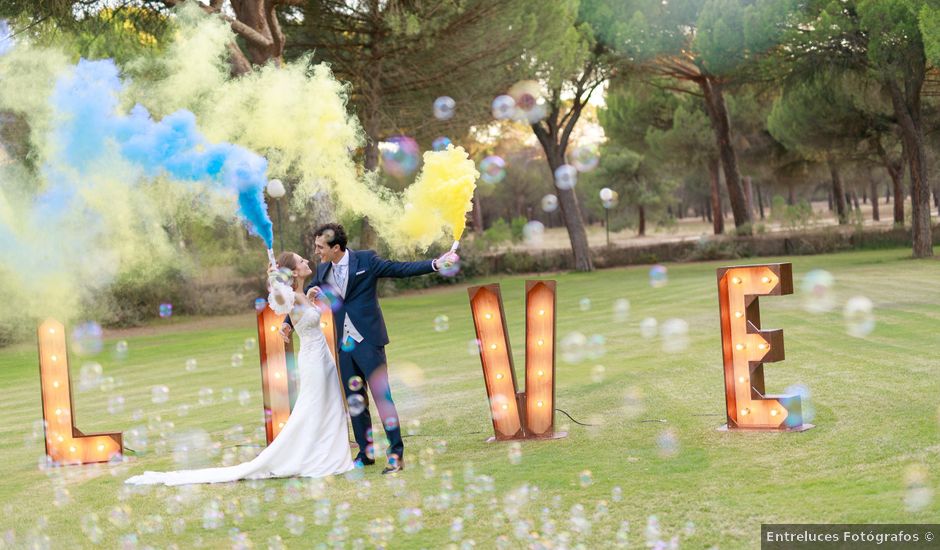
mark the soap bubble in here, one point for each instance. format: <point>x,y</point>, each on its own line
<point>585,478</point>
<point>633,402</point>
<point>206,396</point>
<point>159,394</point>
<point>527,97</point>
<point>191,365</point>
<point>806,404</point>
<point>260,304</point>
<point>533,233</point>
<point>675,335</point>
<point>120,349</point>
<point>244,397</point>
<point>918,493</point>
<point>355,383</point>
<point>400,155</point>
<point>584,304</point>
<point>859,316</point>
<point>90,376</point>
<point>573,347</point>
<point>659,276</point>
<point>237,359</point>
<point>281,275</point>
<point>115,404</point>
<point>584,158</point>
<point>621,310</point>
<point>597,373</point>
<point>504,107</point>
<point>492,169</point>
<point>515,453</point>
<point>357,404</point>
<point>566,177</point>
<point>549,203</point>
<point>596,346</point>
<point>189,448</point>
<point>668,443</point>
<point>250,344</point>
<point>410,519</point>
<point>648,328</point>
<point>294,523</point>
<point>86,338</point>
<point>441,323</point>
<point>450,270</point>
<point>440,143</point>
<point>348,344</point>
<point>166,310</point>
<point>444,107</point>
<point>817,291</point>
<point>473,347</point>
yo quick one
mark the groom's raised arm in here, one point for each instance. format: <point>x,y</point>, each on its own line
<point>388,268</point>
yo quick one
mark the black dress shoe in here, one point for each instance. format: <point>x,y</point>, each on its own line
<point>364,462</point>
<point>394,467</point>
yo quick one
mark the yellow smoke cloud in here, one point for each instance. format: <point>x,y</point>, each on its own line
<point>298,117</point>
<point>440,197</point>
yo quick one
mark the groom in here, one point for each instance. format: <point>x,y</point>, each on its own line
<point>353,275</point>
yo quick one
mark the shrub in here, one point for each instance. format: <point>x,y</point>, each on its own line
<point>516,227</point>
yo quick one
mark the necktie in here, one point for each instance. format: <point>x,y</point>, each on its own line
<point>341,277</point>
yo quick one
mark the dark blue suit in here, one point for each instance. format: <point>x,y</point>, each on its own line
<point>367,359</point>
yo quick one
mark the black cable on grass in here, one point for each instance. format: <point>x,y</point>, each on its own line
<point>573,420</point>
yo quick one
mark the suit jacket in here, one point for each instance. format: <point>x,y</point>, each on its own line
<point>362,301</point>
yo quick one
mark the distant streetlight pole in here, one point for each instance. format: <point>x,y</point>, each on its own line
<point>608,199</point>
<point>276,191</point>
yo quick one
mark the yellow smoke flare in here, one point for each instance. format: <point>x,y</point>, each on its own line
<point>440,197</point>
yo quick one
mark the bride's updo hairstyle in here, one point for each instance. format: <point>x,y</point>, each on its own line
<point>287,259</point>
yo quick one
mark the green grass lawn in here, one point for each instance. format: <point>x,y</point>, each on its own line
<point>874,455</point>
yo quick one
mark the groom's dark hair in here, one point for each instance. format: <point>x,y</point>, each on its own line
<point>333,234</point>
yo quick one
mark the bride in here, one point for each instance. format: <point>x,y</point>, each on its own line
<point>314,441</point>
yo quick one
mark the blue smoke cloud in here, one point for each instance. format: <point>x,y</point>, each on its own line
<point>90,129</point>
<point>6,37</point>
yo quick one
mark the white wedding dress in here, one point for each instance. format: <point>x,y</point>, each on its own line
<point>314,441</point>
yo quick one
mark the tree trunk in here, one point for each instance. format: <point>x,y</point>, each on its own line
<point>908,113</point>
<point>791,194</point>
<point>760,202</point>
<point>749,195</point>
<point>714,174</point>
<point>477,214</point>
<point>571,214</point>
<point>707,211</point>
<point>897,186</point>
<point>858,208</point>
<point>721,125</point>
<point>641,224</point>
<point>263,38</point>
<point>553,137</point>
<point>875,215</point>
<point>837,192</point>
